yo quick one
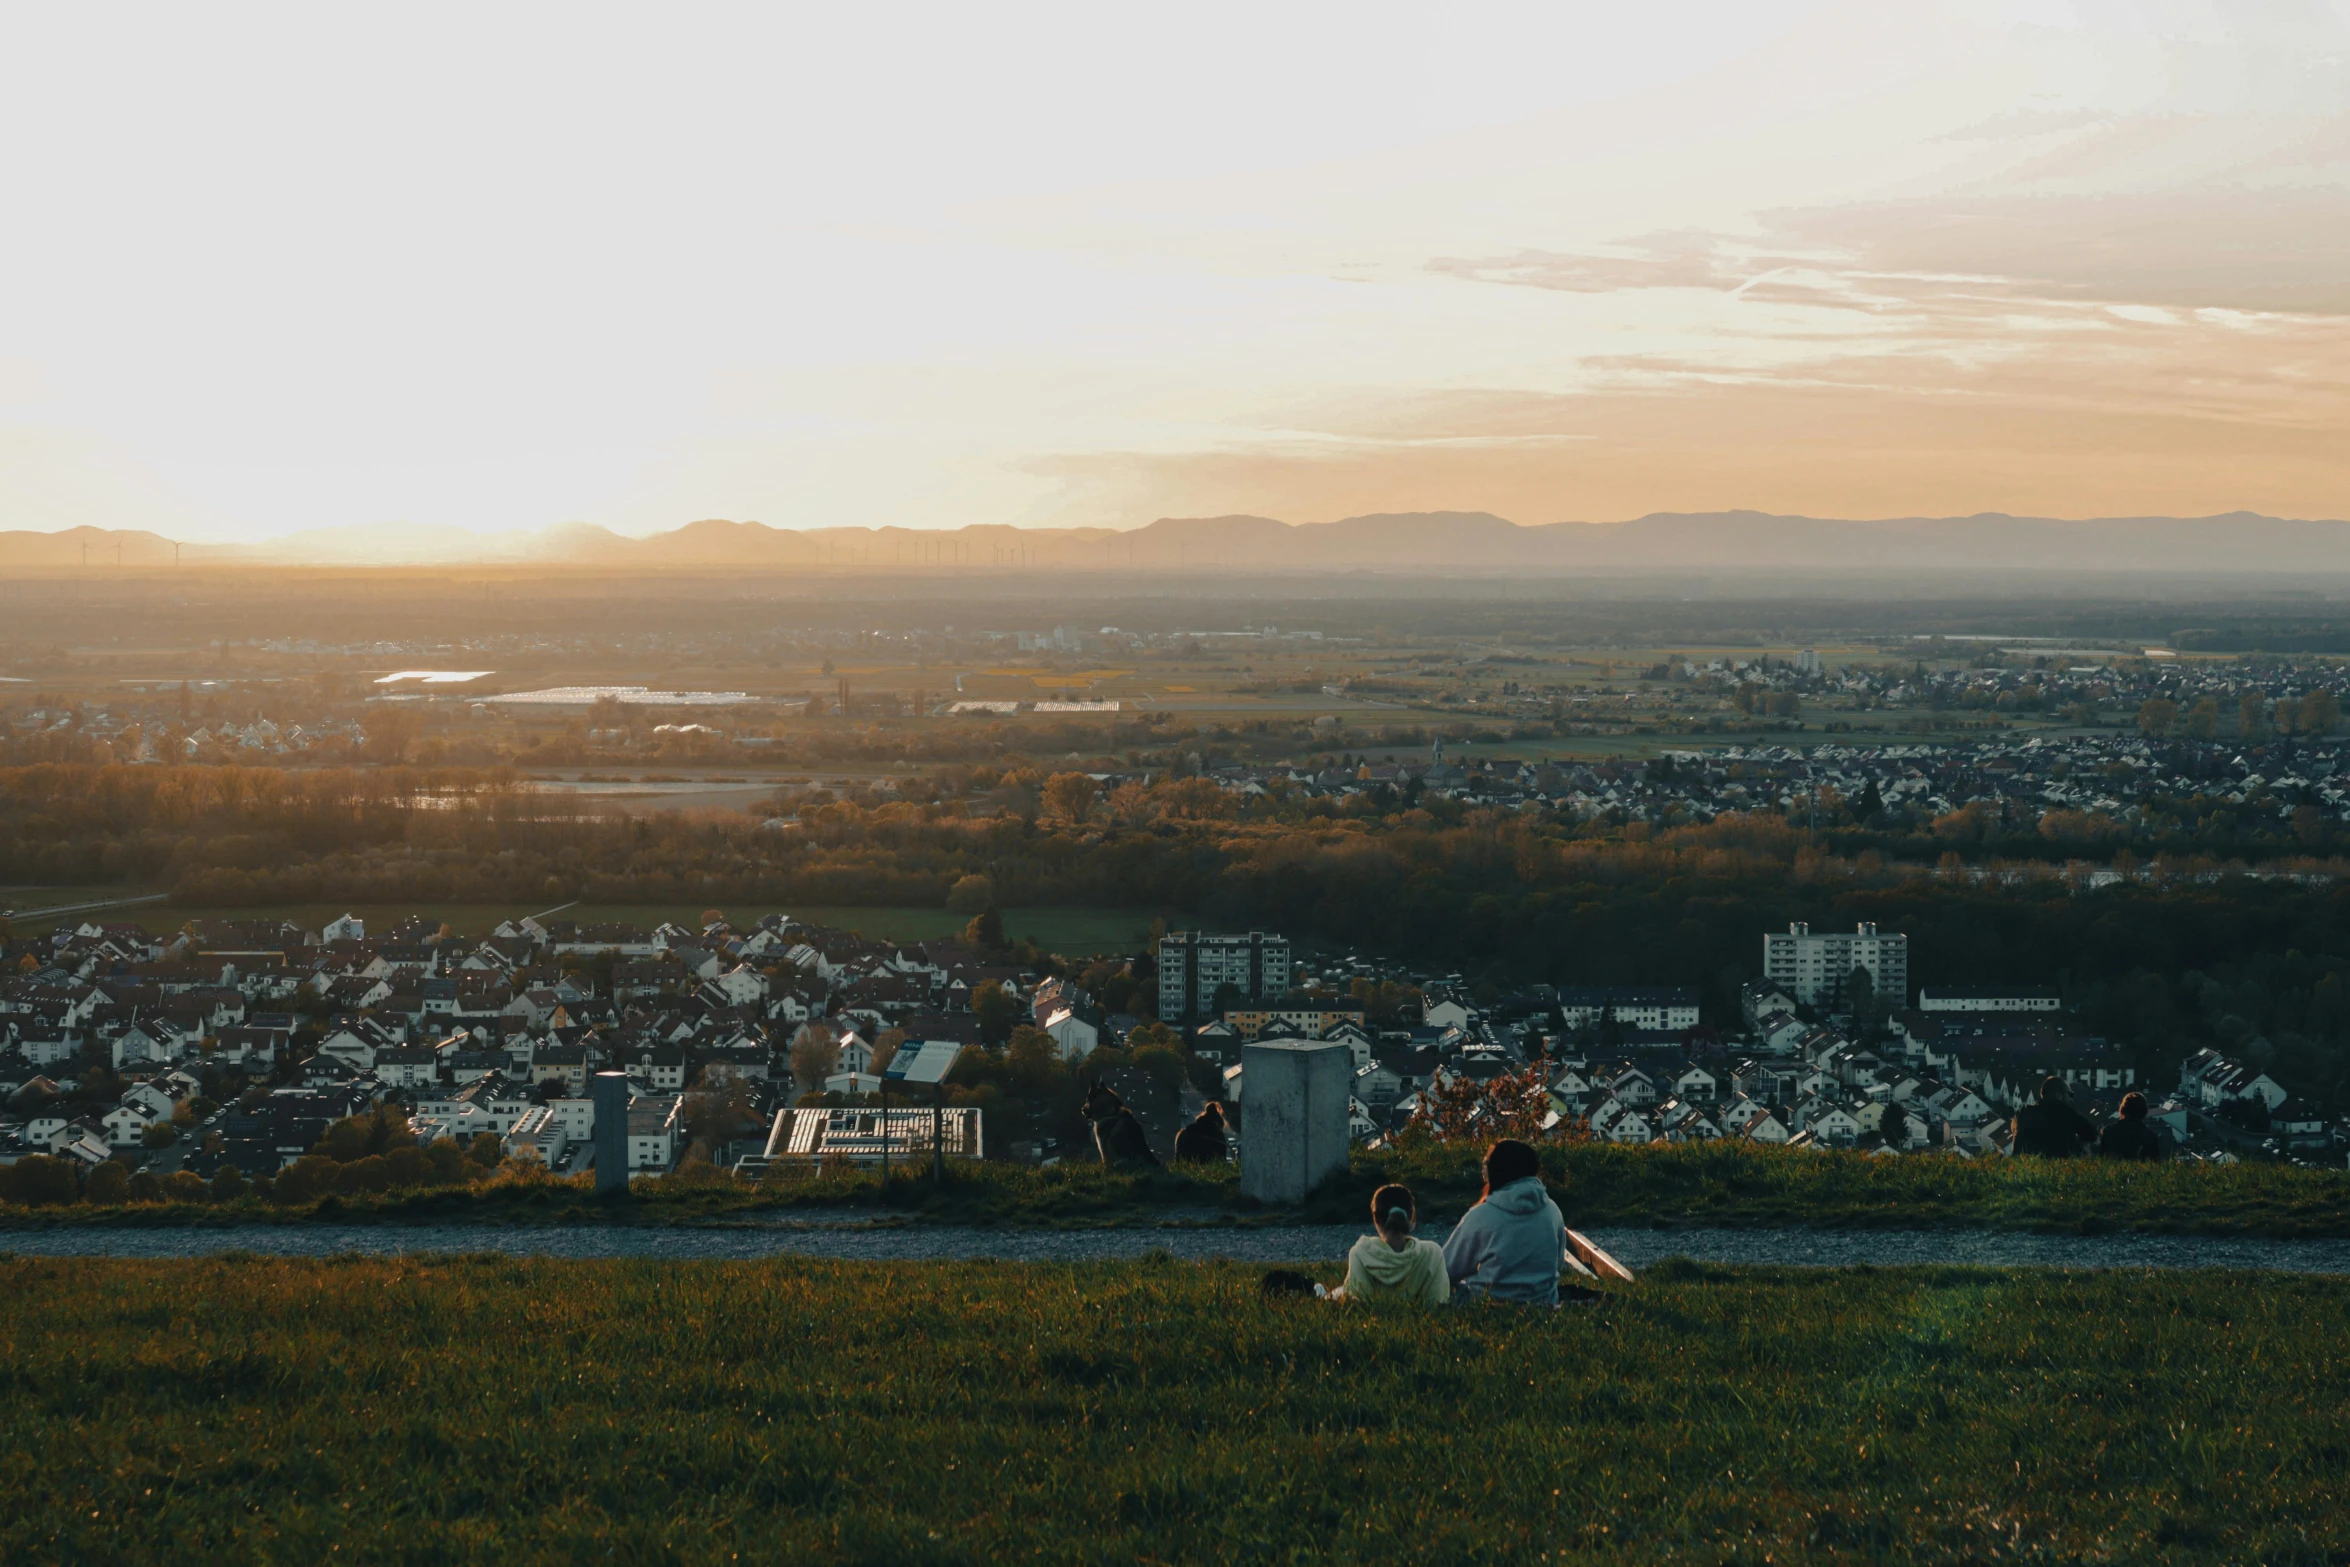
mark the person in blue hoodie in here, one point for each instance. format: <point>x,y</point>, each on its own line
<point>1508,1246</point>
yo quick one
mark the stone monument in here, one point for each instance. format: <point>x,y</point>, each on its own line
<point>1293,1126</point>
<point>610,1134</point>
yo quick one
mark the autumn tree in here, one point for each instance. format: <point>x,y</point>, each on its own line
<point>2318,713</point>
<point>995,1011</point>
<point>815,1056</point>
<point>1460,1109</point>
<point>722,1111</point>
<point>1070,797</point>
<point>971,895</point>
<point>986,930</point>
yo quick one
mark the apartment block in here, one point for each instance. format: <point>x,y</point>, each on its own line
<point>1813,969</point>
<point>1194,966</point>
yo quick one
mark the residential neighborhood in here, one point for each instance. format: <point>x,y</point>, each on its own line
<point>232,1042</point>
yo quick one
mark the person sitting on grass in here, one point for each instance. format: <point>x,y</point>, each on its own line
<point>2129,1137</point>
<point>1508,1247</point>
<point>1392,1265</point>
<point>2052,1128</point>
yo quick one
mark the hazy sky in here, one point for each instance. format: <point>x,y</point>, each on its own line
<point>274,268</point>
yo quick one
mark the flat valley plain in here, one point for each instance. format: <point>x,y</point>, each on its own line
<point>490,1410</point>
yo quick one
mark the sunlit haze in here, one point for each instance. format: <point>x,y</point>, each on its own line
<point>275,269</point>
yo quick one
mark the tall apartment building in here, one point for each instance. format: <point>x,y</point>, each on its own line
<point>1813,969</point>
<point>1193,966</point>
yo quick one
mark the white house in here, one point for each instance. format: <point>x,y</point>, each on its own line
<point>1357,1042</point>
<point>407,1066</point>
<point>355,1043</point>
<point>853,1083</point>
<point>144,1042</point>
<point>128,1121</point>
<point>1738,1113</point>
<point>1682,1122</point>
<point>1076,1037</point>
<point>1631,1126</point>
<point>152,1095</point>
<point>743,987</point>
<point>1835,1126</point>
<point>855,1055</point>
<point>656,1124</point>
<point>1446,1014</point>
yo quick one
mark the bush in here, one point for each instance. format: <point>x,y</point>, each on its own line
<point>305,1180</point>
<point>408,1167</point>
<point>371,1174</point>
<point>39,1181</point>
<point>228,1182</point>
<point>109,1184</point>
<point>146,1186</point>
<point>186,1186</point>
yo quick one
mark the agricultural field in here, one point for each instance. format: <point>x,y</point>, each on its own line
<point>488,1410</point>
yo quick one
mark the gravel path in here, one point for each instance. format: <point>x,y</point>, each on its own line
<point>1307,1243</point>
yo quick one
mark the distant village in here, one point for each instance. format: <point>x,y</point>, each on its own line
<point>238,1043</point>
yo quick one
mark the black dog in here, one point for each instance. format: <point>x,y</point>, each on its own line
<point>1117,1136</point>
<point>1203,1141</point>
<point>1282,1284</point>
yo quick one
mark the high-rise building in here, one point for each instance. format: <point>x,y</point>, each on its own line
<point>1814,969</point>
<point>1194,966</point>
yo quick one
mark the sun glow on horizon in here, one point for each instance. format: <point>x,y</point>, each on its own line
<point>507,269</point>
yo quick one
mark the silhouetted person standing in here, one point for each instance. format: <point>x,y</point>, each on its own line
<point>2129,1137</point>
<point>2052,1128</point>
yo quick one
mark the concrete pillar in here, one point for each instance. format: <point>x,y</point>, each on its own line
<point>1293,1129</point>
<point>610,1134</point>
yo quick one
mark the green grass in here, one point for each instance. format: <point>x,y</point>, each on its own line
<point>1597,1185</point>
<point>1073,932</point>
<point>486,1410</point>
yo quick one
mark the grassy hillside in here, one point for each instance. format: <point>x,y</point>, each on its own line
<point>472,1410</point>
<point>1669,1187</point>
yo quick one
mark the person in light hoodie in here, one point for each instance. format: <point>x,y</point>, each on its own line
<point>1392,1266</point>
<point>1508,1246</point>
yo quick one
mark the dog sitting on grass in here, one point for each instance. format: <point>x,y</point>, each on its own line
<point>1117,1135</point>
<point>1203,1141</point>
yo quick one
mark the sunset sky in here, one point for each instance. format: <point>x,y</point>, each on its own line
<point>496,267</point>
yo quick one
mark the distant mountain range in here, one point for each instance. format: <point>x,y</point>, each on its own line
<point>2239,542</point>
